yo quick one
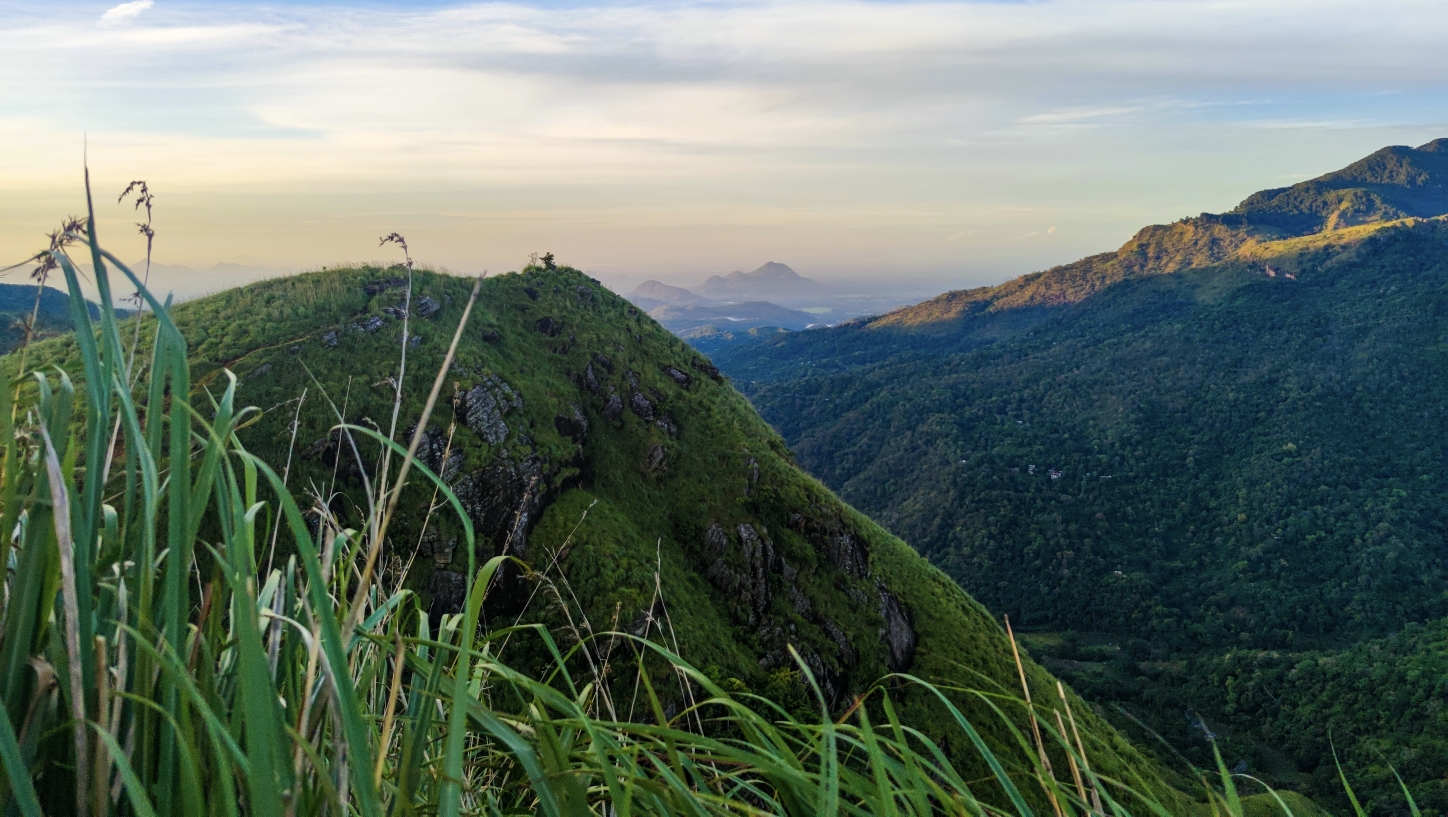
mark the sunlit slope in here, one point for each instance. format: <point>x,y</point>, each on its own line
<point>1392,184</point>
<point>579,434</point>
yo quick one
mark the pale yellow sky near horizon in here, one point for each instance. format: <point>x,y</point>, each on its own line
<point>901,144</point>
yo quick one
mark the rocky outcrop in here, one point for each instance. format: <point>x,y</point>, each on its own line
<point>426,307</point>
<point>590,380</point>
<point>503,499</point>
<point>448,591</point>
<point>484,406</point>
<point>549,326</point>
<point>838,545</point>
<point>897,633</point>
<point>641,406</point>
<point>708,369</point>
<point>329,339</point>
<point>382,285</point>
<point>741,572</point>
<point>437,453</point>
<point>613,407</point>
<point>656,460</point>
<point>573,425</point>
<point>678,376</point>
<point>848,657</point>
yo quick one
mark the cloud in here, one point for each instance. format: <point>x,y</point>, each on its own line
<point>776,126</point>
<point>1076,115</point>
<point>125,12</point>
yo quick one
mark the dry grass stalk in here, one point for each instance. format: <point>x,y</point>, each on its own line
<point>1035,725</point>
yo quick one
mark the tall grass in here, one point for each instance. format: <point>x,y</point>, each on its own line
<point>150,664</point>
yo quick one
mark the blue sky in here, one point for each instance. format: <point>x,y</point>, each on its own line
<point>949,144</point>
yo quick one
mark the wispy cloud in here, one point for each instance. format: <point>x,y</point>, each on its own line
<point>1077,115</point>
<point>125,12</point>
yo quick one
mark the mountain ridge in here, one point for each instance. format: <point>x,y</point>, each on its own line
<point>1222,440</point>
<point>1391,184</point>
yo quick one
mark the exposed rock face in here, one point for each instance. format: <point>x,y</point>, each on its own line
<point>742,573</point>
<point>260,370</point>
<point>531,293</point>
<point>573,425</point>
<point>751,476</point>
<point>485,405</point>
<point>848,554</point>
<point>647,619</point>
<point>840,547</point>
<point>668,425</point>
<point>897,633</point>
<point>641,406</point>
<point>590,380</point>
<point>678,376</point>
<point>655,459</point>
<point>329,339</point>
<point>503,500</point>
<point>848,656</point>
<point>492,336</point>
<point>435,452</point>
<point>707,368</point>
<point>448,591</point>
<point>549,326</point>
<point>427,307</point>
<point>613,407</point>
<point>604,362</point>
<point>371,324</point>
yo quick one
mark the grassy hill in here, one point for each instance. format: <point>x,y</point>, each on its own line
<point>1207,468</point>
<point>583,438</point>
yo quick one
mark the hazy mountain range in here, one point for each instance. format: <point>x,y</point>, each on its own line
<point>726,308</point>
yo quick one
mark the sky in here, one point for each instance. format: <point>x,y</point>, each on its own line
<point>933,145</point>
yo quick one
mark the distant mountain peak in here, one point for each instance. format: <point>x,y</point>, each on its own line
<point>774,269</point>
<point>771,282</point>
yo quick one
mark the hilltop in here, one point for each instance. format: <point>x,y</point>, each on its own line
<point>581,437</point>
<point>1206,468</point>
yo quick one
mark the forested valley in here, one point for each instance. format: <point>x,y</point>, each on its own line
<point>1206,471</point>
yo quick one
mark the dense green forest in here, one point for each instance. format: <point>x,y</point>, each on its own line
<point>1214,459</point>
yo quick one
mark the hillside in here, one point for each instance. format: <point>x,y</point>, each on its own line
<point>17,304</point>
<point>584,439</point>
<point>1197,466</point>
